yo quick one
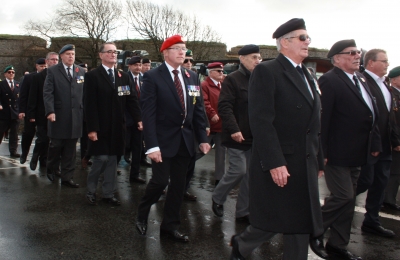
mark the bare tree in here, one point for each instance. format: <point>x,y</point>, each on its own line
<point>92,19</point>
<point>155,23</point>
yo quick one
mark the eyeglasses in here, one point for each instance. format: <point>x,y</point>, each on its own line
<point>54,59</point>
<point>110,52</point>
<point>219,71</point>
<point>187,60</point>
<point>178,49</point>
<point>301,37</point>
<point>352,53</point>
<point>11,72</point>
<point>383,61</point>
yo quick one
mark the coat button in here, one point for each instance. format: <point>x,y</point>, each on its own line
<point>319,133</point>
<point>299,106</point>
<point>308,155</point>
<point>181,126</point>
<point>308,131</point>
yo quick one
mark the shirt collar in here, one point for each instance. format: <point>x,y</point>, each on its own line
<point>215,82</point>
<point>65,66</point>
<point>170,68</point>
<point>107,68</point>
<point>293,63</point>
<point>375,77</point>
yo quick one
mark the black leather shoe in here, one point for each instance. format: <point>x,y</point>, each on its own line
<point>34,161</point>
<point>377,230</point>
<point>235,255</point>
<point>91,198</point>
<point>57,173</point>
<point>244,219</point>
<point>317,246</point>
<point>22,159</point>
<point>391,206</point>
<point>50,175</point>
<point>70,183</point>
<point>174,235</point>
<point>341,253</point>
<point>112,200</point>
<point>217,209</point>
<point>137,180</point>
<point>15,155</point>
<point>141,227</point>
<point>190,197</point>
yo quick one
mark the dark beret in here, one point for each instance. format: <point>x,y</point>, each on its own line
<point>67,47</point>
<point>340,46</point>
<point>134,60</point>
<point>215,65</point>
<point>395,72</point>
<point>189,53</point>
<point>83,65</point>
<point>9,67</point>
<point>41,61</point>
<point>145,60</point>
<point>291,25</point>
<point>248,49</point>
<point>171,41</point>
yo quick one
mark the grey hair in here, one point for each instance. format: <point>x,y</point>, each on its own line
<point>51,53</point>
<point>278,41</point>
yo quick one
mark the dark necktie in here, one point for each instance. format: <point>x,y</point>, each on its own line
<point>12,86</point>
<point>137,87</point>
<point>110,74</point>
<point>178,87</point>
<point>219,85</point>
<point>69,74</point>
<point>357,84</point>
<point>301,72</point>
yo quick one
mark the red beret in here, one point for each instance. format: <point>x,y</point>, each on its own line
<point>215,65</point>
<point>171,41</point>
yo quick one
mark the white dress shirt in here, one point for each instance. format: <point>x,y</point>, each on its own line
<point>385,91</point>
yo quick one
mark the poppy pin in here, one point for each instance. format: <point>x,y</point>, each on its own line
<point>187,74</point>
<point>76,69</point>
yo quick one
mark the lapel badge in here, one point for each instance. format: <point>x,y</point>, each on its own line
<point>362,79</point>
<point>76,69</point>
<point>119,74</point>
<point>187,73</point>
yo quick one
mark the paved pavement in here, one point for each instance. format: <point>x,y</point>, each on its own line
<point>43,220</point>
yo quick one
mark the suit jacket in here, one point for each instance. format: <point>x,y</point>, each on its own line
<point>349,132</point>
<point>386,121</point>
<point>164,121</point>
<point>105,110</point>
<point>64,98</point>
<point>24,92</point>
<point>35,109</point>
<point>285,123</point>
<point>395,166</point>
<point>211,95</point>
<point>9,100</point>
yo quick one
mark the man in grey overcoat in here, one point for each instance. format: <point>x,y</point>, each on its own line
<point>284,116</point>
<point>62,96</point>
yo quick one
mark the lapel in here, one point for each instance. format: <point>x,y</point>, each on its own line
<point>166,76</point>
<point>104,74</point>
<point>293,75</point>
<point>62,70</point>
<point>349,83</point>
<point>372,84</point>
<point>185,88</point>
<point>6,86</point>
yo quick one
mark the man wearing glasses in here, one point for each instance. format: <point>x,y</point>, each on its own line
<point>375,174</point>
<point>172,112</point>
<point>348,134</point>
<point>188,62</point>
<point>108,94</point>
<point>9,93</point>
<point>211,88</point>
<point>284,116</point>
<point>63,96</point>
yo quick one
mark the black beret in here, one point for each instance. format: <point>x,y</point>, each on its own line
<point>83,65</point>
<point>134,60</point>
<point>67,47</point>
<point>291,25</point>
<point>145,60</point>
<point>395,72</point>
<point>41,61</point>
<point>340,46</point>
<point>248,49</point>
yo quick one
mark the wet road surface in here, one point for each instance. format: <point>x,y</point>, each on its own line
<point>44,220</point>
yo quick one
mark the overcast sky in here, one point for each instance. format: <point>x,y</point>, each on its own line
<point>372,23</point>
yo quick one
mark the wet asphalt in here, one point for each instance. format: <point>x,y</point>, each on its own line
<point>44,220</point>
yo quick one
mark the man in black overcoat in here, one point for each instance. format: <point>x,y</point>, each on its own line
<point>35,113</point>
<point>349,134</point>
<point>29,126</point>
<point>172,112</point>
<point>284,116</point>
<point>108,93</point>
<point>375,173</point>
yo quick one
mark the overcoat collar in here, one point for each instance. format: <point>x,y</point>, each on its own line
<point>63,72</point>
